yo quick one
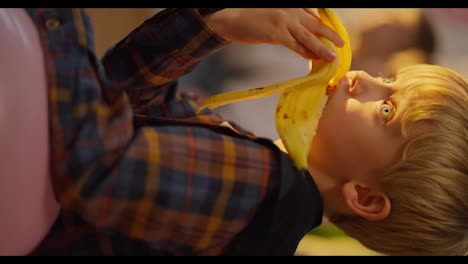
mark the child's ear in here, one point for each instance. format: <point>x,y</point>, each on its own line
<point>365,202</point>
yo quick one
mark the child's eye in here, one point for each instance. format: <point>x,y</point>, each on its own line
<point>388,79</point>
<point>387,109</point>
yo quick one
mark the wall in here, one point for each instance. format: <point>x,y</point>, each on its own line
<point>112,24</point>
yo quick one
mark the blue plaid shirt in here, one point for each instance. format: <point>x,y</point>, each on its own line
<point>135,170</point>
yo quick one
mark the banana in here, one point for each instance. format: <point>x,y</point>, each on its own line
<point>344,53</point>
<point>302,99</point>
<point>299,109</point>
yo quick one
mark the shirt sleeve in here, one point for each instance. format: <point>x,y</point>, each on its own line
<point>181,189</point>
<point>147,63</point>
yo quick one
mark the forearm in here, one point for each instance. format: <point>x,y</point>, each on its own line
<point>148,62</point>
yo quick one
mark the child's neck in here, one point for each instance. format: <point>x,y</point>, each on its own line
<point>330,188</point>
<point>329,184</point>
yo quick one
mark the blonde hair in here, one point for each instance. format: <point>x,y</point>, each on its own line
<point>428,187</point>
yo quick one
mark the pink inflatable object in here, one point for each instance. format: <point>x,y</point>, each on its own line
<point>27,204</point>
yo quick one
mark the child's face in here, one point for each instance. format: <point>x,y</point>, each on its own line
<point>360,131</point>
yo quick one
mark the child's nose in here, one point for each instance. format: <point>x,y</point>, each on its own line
<point>359,83</point>
<point>363,84</point>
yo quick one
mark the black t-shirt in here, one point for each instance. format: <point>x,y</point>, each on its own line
<point>284,218</point>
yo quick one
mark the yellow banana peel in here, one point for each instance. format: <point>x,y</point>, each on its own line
<point>302,99</point>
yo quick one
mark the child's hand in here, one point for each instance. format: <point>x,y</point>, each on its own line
<point>295,28</point>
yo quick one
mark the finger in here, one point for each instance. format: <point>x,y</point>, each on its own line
<point>313,12</point>
<point>300,49</point>
<point>303,51</point>
<point>317,27</point>
<point>312,56</point>
<point>312,43</point>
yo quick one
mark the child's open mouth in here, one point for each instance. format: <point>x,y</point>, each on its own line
<point>330,90</point>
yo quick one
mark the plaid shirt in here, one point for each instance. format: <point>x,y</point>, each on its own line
<point>134,169</point>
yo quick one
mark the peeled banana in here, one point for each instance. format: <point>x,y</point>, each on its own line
<point>302,99</point>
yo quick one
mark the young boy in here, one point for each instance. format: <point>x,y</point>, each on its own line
<point>389,159</point>
<point>137,172</point>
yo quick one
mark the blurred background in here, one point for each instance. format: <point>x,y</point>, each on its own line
<point>382,41</point>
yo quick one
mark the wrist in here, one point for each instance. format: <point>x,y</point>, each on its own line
<point>218,22</point>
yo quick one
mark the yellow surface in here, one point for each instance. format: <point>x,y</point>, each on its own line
<point>312,245</point>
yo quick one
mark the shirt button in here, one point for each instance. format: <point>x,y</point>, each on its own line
<point>52,23</point>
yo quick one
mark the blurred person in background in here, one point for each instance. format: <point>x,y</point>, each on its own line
<point>451,33</point>
<point>384,40</point>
